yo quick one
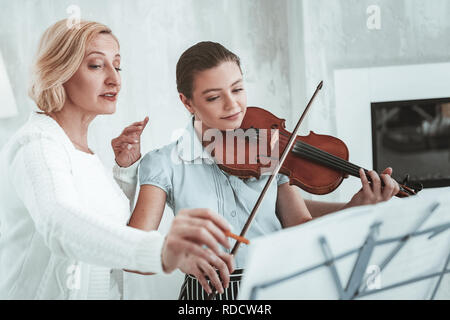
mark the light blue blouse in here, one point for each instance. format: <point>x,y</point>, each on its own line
<point>191,179</point>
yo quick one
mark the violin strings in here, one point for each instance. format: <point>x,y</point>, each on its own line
<point>329,158</point>
<point>312,153</point>
<point>326,158</point>
<point>337,162</point>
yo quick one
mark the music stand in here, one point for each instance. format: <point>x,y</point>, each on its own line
<point>393,250</point>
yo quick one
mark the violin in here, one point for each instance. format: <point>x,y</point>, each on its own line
<point>316,163</point>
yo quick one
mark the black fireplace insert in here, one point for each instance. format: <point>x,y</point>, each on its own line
<point>413,137</point>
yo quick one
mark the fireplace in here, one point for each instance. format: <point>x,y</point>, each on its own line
<point>414,138</point>
<point>395,116</point>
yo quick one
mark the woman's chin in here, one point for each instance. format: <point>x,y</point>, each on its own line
<point>234,125</point>
<point>104,107</point>
<point>108,110</point>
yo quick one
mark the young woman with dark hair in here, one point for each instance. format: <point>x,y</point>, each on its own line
<point>183,174</point>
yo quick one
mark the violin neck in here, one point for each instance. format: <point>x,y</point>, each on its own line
<point>324,158</point>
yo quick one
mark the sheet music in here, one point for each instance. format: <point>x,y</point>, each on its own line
<point>293,250</point>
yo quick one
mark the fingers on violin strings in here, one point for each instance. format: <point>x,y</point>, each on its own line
<point>365,182</point>
<point>396,188</point>
<point>388,188</point>
<point>387,171</point>
<point>376,183</point>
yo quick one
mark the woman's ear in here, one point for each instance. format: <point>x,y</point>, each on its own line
<point>187,103</point>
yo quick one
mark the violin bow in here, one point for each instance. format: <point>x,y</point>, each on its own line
<point>272,177</point>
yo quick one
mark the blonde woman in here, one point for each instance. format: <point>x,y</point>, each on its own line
<point>64,233</point>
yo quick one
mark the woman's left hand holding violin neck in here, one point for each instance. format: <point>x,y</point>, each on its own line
<point>127,146</point>
<point>374,192</point>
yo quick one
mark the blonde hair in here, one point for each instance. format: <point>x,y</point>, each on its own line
<point>60,53</point>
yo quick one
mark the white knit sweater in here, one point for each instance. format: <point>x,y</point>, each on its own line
<point>63,220</point>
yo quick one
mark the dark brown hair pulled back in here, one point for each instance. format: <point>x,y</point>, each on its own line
<point>201,56</point>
